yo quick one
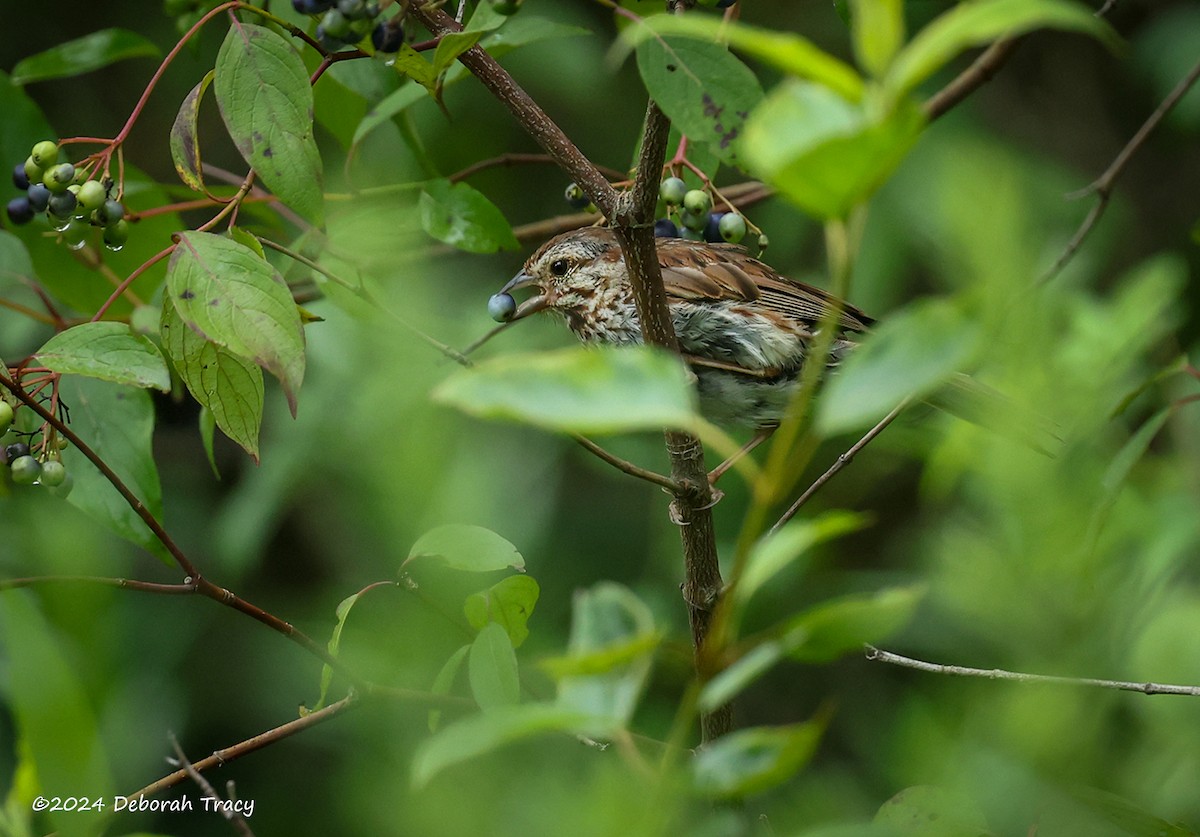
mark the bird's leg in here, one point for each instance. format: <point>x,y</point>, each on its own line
<point>761,435</point>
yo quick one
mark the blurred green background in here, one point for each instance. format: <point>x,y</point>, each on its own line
<point>1082,565</point>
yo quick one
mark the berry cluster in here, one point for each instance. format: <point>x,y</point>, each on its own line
<point>71,201</point>
<point>25,468</point>
<point>506,7</point>
<point>693,209</point>
<point>346,22</point>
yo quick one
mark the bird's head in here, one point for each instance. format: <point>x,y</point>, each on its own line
<point>567,273</point>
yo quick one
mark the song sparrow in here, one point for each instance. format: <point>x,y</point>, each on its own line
<point>744,329</point>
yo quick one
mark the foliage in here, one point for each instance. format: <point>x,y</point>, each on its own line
<point>489,631</point>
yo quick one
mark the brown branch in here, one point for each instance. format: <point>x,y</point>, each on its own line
<point>124,583</point>
<point>220,757</point>
<point>234,818</point>
<point>980,72</point>
<point>1102,187</point>
<point>632,215</point>
<point>882,656</point>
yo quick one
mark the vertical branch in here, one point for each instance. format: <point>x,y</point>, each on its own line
<point>692,506</point>
<point>632,217</point>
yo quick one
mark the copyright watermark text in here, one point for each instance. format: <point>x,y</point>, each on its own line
<point>140,804</point>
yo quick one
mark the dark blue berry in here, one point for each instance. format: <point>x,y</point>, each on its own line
<point>712,230</point>
<point>501,307</point>
<point>39,197</point>
<point>109,214</point>
<point>388,36</point>
<point>62,205</point>
<point>16,451</point>
<point>665,228</point>
<point>19,210</point>
<point>312,7</point>
<point>20,178</point>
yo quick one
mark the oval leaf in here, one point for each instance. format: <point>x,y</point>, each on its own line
<point>878,32</point>
<point>701,86</point>
<point>775,552</point>
<point>841,626</point>
<point>185,142</point>
<point>477,735</point>
<point>908,355</point>
<point>929,811</point>
<point>118,423</point>
<point>581,390</point>
<point>823,152</point>
<point>754,760</point>
<point>470,548</point>
<point>266,101</point>
<point>108,351</point>
<point>492,669</point>
<point>508,604</point>
<point>975,23</point>
<point>462,217</point>
<point>444,681</point>
<point>91,52</point>
<point>236,300</point>
<point>230,387</point>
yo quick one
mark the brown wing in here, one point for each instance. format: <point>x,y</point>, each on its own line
<point>696,271</point>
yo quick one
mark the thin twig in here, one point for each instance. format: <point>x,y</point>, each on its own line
<point>510,159</point>
<point>980,72</point>
<point>248,746</point>
<point>234,818</point>
<point>124,583</point>
<point>882,656</point>
<point>1102,187</point>
<point>841,462</point>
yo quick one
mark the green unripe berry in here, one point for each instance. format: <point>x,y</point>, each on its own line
<point>6,417</point>
<point>732,227</point>
<point>44,154</point>
<point>33,171</point>
<point>695,223</point>
<point>92,195</point>
<point>116,235</point>
<point>506,7</point>
<point>691,235</point>
<point>25,470</point>
<point>59,177</point>
<point>335,24</point>
<point>76,233</point>
<point>697,202</point>
<point>575,197</point>
<point>63,488</point>
<point>672,191</point>
<point>53,473</point>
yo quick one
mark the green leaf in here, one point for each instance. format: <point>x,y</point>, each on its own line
<point>492,669</point>
<point>117,422</point>
<point>730,682</point>
<point>701,86</point>
<point>754,760</point>
<point>841,626</point>
<point>15,264</point>
<point>908,355</point>
<point>477,735</point>
<point>82,55</point>
<point>444,681</point>
<point>335,642</point>
<point>824,153</point>
<point>609,618</point>
<point>878,33</point>
<point>417,67</point>
<point>508,603</point>
<point>977,22</point>
<point>1127,816</point>
<point>108,351</point>
<point>582,390</point>
<point>462,217</point>
<point>236,300</point>
<point>229,386</point>
<point>51,708</point>
<point>470,548</point>
<point>450,46</point>
<point>207,425</point>
<point>776,551</point>
<point>266,101</point>
<point>787,52</point>
<point>185,139</point>
<point>928,811</point>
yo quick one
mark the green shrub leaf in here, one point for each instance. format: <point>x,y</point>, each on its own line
<point>108,351</point>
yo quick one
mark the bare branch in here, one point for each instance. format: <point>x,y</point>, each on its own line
<point>980,72</point>
<point>1102,187</point>
<point>882,656</point>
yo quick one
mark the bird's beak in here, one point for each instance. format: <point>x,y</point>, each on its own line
<point>538,302</point>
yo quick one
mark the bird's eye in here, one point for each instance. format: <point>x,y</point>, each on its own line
<point>559,267</point>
